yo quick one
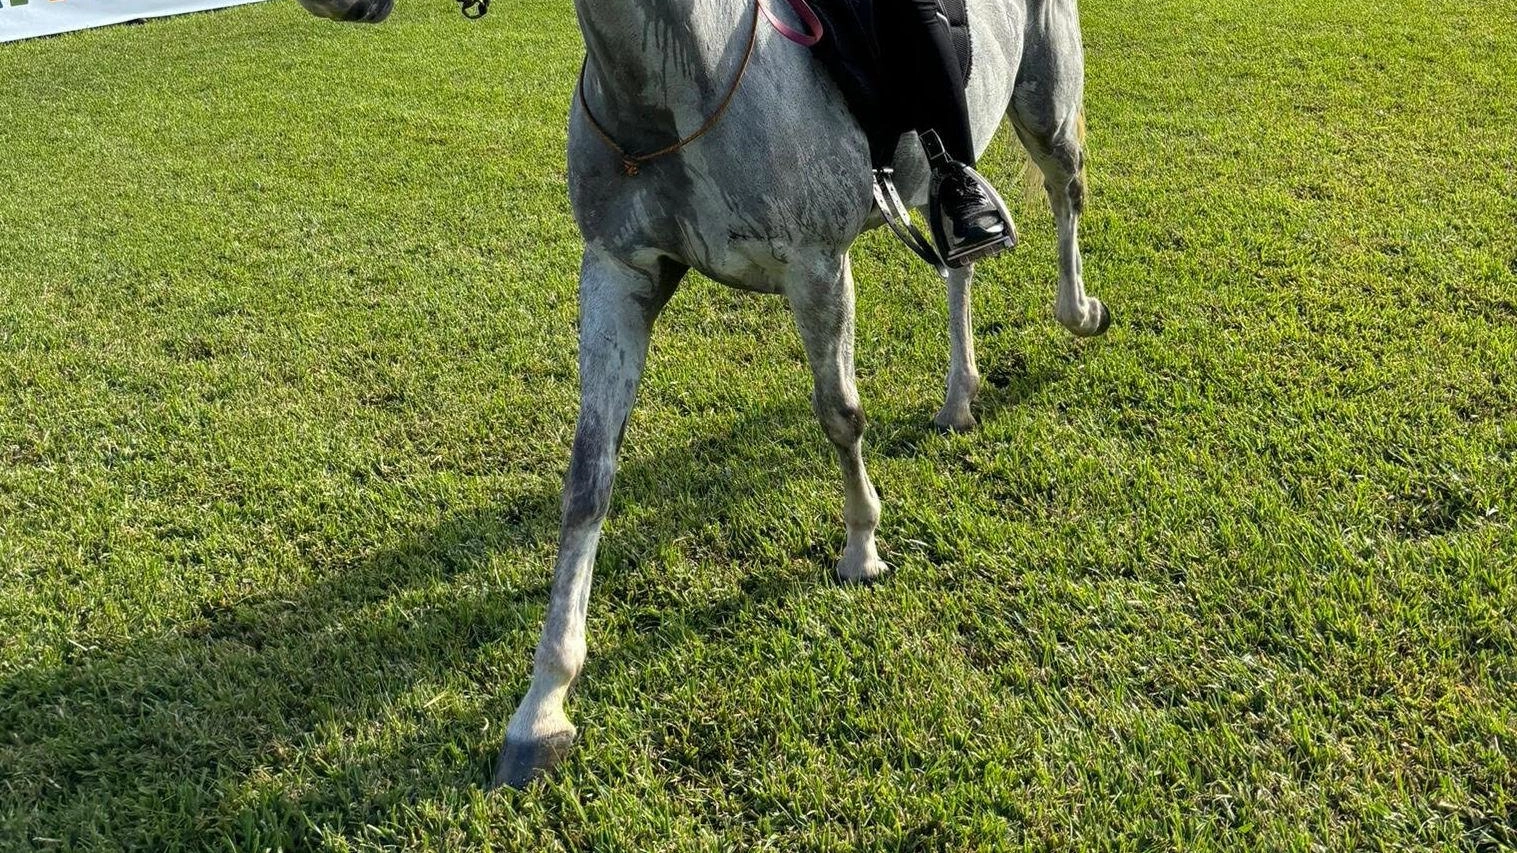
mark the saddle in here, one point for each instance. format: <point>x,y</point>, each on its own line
<point>853,53</point>
<point>845,37</point>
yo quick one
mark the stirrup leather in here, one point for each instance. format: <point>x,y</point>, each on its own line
<point>898,217</point>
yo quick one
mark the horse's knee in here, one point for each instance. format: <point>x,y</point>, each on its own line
<point>843,422</point>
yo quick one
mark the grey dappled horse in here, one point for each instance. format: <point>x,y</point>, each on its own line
<point>770,200</point>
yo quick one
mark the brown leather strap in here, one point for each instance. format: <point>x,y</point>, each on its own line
<point>633,163</point>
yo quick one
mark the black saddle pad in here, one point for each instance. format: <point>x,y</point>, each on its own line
<point>855,55</point>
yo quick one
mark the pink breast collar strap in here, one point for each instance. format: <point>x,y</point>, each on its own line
<point>814,31</point>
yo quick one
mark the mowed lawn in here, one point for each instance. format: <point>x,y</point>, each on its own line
<point>287,388</point>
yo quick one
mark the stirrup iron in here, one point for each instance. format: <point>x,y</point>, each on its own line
<point>963,256</point>
<point>898,217</point>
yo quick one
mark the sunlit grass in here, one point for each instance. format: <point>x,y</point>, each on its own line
<point>287,385</point>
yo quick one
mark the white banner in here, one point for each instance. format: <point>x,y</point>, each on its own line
<point>24,19</point>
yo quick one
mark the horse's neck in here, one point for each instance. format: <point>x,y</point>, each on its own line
<point>657,57</point>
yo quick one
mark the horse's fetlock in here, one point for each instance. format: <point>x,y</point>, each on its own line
<point>971,380</point>
<point>560,659</point>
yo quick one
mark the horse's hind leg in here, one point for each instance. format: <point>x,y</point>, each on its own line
<point>617,306</point>
<point>1046,110</point>
<point>822,300</point>
<point>963,373</point>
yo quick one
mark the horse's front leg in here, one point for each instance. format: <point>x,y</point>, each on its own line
<point>617,306</point>
<point>822,299</point>
<point>963,373</point>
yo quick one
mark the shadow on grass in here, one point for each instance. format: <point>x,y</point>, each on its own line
<point>194,733</point>
<point>180,737</point>
<point>1006,385</point>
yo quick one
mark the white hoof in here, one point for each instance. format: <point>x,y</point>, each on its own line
<point>1087,321</point>
<point>954,419</point>
<point>955,416</point>
<point>861,564</point>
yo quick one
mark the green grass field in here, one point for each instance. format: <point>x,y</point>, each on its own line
<point>287,387</point>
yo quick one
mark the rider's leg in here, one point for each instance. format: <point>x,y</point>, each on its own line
<point>933,85</point>
<point>969,221</point>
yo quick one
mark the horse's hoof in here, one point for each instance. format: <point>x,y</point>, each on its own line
<point>960,422</point>
<point>1104,322</point>
<point>1088,324</point>
<point>521,762</point>
<point>865,570</point>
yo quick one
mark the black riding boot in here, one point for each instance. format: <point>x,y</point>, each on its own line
<point>969,220</point>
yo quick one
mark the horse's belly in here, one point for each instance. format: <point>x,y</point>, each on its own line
<point>750,236</point>
<point>747,262</point>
